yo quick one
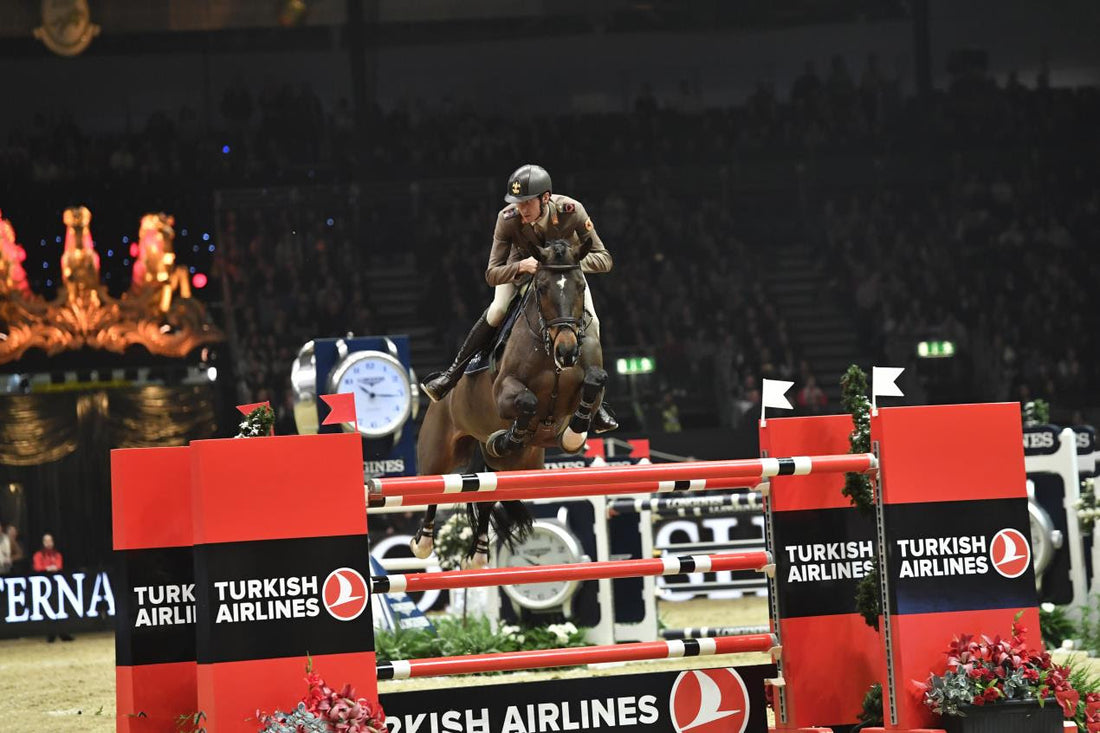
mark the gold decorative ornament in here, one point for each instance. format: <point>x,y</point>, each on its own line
<point>516,187</point>
<point>84,315</point>
<point>67,26</point>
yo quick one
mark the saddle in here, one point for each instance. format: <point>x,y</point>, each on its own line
<point>488,357</point>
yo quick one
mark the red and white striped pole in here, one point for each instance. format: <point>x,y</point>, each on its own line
<point>482,577</point>
<point>668,477</point>
<point>561,492</point>
<point>540,659</point>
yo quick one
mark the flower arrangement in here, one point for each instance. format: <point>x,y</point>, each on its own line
<point>453,540</point>
<point>258,423</point>
<point>984,671</point>
<point>324,710</point>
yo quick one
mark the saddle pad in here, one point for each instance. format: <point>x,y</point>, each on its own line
<point>486,357</point>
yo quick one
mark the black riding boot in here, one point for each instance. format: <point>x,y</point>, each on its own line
<point>437,385</point>
<point>604,420</point>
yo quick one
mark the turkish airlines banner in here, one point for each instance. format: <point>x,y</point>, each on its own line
<point>55,603</point>
<point>714,700</point>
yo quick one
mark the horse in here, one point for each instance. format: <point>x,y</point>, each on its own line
<point>542,394</point>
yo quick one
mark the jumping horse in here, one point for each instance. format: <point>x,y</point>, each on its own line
<point>541,394</point>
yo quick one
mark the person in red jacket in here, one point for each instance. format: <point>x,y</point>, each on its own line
<point>49,560</point>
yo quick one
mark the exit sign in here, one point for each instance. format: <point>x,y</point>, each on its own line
<point>636,365</point>
<point>935,349</point>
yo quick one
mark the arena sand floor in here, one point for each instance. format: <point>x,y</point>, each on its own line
<point>70,687</point>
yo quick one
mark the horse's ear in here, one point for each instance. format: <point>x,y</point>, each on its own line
<point>584,248</point>
<point>542,253</point>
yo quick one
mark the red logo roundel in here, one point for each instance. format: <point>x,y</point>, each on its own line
<point>345,594</point>
<point>1010,553</point>
<point>709,701</point>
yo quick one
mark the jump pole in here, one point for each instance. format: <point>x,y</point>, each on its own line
<point>487,577</point>
<point>376,501</point>
<point>757,468</point>
<point>543,658</point>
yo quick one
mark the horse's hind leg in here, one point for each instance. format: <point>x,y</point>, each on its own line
<point>436,452</point>
<point>572,440</point>
<point>515,399</point>
<point>478,556</point>
<point>423,541</point>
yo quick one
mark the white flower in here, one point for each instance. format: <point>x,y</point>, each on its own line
<point>509,630</point>
<point>561,631</point>
<point>465,534</point>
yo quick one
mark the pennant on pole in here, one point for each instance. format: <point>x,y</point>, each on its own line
<point>883,384</point>
<point>773,394</point>
<point>246,410</point>
<point>341,408</point>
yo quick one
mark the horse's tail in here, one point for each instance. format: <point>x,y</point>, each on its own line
<point>511,520</point>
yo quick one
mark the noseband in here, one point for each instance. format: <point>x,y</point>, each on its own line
<point>577,325</point>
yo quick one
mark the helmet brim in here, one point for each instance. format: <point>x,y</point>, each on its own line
<point>517,199</point>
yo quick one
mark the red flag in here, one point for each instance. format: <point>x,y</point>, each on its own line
<point>247,409</point>
<point>341,408</point>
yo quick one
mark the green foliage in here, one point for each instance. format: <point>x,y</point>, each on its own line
<point>191,723</point>
<point>454,638</point>
<point>1055,627</point>
<point>872,706</point>
<point>1036,412</point>
<point>1087,683</point>
<point>869,597</point>
<point>1088,628</point>
<point>258,424</point>
<point>853,385</point>
<point>1087,508</point>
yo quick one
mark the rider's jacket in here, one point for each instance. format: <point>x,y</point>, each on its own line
<point>564,218</point>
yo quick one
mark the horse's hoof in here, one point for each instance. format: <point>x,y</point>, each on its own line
<point>477,561</point>
<point>422,546</point>
<point>572,442</point>
<point>491,444</point>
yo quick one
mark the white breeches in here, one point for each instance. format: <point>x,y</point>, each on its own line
<point>503,294</point>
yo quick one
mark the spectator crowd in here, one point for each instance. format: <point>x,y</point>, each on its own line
<point>989,249</point>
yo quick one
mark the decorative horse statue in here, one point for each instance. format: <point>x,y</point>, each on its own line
<point>542,394</point>
<point>155,270</point>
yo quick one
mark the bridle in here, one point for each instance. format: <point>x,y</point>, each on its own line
<point>577,325</point>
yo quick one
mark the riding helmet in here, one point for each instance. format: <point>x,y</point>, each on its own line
<point>527,182</point>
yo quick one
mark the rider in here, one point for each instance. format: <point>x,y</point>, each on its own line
<point>533,216</point>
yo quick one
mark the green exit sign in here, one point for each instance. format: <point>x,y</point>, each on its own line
<point>935,349</point>
<point>636,365</point>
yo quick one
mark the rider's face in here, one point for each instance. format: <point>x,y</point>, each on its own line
<point>528,210</point>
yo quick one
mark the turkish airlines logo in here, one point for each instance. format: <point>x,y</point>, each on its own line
<point>1010,553</point>
<point>345,594</point>
<point>709,701</point>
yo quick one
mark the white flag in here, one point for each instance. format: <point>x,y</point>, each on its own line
<point>883,381</point>
<point>773,394</point>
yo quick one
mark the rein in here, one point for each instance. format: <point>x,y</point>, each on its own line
<point>577,325</point>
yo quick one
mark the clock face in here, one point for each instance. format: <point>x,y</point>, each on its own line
<point>382,392</point>
<point>546,545</point>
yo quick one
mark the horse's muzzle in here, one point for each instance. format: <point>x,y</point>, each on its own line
<point>565,354</point>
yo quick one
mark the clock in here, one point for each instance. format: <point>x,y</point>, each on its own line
<point>549,543</point>
<point>1045,539</point>
<point>382,389</point>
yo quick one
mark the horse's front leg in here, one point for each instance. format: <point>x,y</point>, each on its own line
<point>423,541</point>
<point>518,401</point>
<point>572,439</point>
